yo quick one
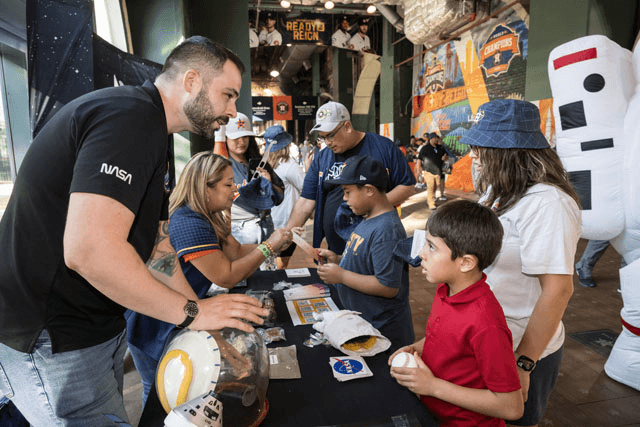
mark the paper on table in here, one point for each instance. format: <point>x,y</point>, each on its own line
<point>297,272</point>
<point>349,367</point>
<point>305,292</point>
<point>301,311</point>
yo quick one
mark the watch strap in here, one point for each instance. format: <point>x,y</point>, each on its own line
<point>191,310</point>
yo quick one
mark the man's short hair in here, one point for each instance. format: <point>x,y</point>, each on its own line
<point>202,54</point>
<point>468,228</point>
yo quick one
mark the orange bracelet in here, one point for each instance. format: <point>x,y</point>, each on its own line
<point>268,245</point>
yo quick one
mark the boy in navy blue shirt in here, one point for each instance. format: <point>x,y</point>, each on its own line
<point>368,277</point>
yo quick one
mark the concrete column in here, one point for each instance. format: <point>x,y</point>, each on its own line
<point>552,23</point>
<point>387,89</point>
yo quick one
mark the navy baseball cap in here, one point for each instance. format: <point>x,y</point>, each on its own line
<point>506,123</point>
<point>362,169</point>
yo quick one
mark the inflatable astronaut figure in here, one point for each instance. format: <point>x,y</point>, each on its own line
<point>596,105</point>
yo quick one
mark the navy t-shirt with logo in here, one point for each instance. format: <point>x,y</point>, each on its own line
<point>113,142</point>
<point>368,252</point>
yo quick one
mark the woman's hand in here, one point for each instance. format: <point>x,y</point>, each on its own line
<point>264,173</point>
<point>280,239</point>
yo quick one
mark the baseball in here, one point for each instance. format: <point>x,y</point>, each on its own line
<point>404,360</point>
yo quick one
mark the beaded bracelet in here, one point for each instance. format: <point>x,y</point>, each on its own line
<point>268,245</point>
<point>265,250</point>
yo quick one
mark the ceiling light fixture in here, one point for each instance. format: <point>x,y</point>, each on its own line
<point>274,73</point>
<point>371,9</point>
<point>329,4</point>
<point>285,4</point>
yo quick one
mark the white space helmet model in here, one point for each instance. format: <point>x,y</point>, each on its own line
<point>232,363</point>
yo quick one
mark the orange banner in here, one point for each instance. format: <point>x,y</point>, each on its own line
<point>443,98</point>
<point>282,108</point>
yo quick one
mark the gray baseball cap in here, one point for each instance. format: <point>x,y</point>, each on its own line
<point>329,116</point>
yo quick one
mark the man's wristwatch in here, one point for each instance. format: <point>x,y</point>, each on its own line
<point>191,310</point>
<point>525,363</point>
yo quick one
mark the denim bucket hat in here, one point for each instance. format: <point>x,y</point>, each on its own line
<point>506,123</point>
<point>258,194</point>
<point>281,137</point>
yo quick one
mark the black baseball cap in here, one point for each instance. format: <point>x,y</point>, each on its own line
<point>361,169</point>
<point>363,21</point>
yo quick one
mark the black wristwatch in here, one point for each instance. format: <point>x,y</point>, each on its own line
<point>191,310</point>
<point>525,363</point>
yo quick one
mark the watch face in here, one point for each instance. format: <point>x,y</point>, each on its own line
<point>525,363</point>
<point>191,309</point>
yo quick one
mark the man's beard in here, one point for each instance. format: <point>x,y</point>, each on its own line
<point>202,117</point>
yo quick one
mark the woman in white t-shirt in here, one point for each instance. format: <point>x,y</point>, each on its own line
<point>291,174</point>
<point>523,180</point>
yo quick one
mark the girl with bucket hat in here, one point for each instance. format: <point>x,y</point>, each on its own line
<point>522,179</point>
<point>259,188</point>
<point>291,174</point>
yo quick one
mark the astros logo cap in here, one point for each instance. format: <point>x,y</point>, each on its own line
<point>329,116</point>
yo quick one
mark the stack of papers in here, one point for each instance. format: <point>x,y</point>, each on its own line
<point>306,292</point>
<point>349,367</point>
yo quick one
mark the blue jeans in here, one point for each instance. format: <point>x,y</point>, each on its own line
<point>592,253</point>
<point>146,367</point>
<point>74,388</point>
<point>252,231</point>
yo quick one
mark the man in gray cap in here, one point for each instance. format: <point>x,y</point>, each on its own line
<point>334,127</point>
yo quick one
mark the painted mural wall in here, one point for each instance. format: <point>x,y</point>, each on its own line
<point>488,62</point>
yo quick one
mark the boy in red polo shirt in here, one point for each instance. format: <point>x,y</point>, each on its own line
<point>466,372</point>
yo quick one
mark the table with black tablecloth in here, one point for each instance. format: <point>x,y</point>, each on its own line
<point>318,399</point>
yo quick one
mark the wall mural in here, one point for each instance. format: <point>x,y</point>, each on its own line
<point>486,63</point>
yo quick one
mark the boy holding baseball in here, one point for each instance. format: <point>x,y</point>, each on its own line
<point>466,372</point>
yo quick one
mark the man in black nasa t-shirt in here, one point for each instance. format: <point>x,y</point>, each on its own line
<point>88,203</point>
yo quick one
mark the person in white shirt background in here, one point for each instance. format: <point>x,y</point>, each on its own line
<point>270,36</point>
<point>291,174</point>
<point>360,40</point>
<point>342,36</point>
<point>253,37</point>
